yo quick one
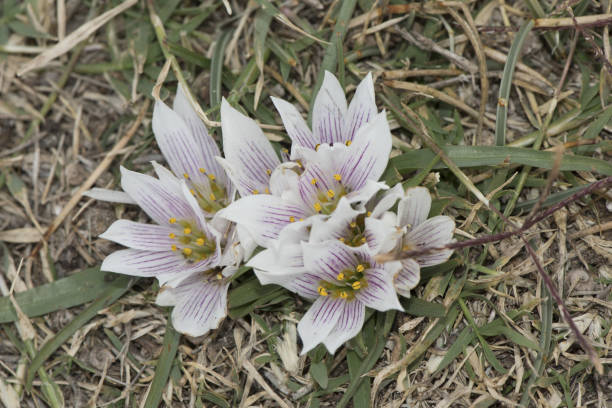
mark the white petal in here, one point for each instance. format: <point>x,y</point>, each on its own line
<point>379,294</point>
<point>362,108</point>
<point>368,155</point>
<point>434,232</point>
<point>348,326</point>
<point>140,236</point>
<point>414,208</point>
<point>388,200</point>
<point>206,147</point>
<point>248,150</point>
<point>295,125</point>
<point>200,304</point>
<point>380,236</point>
<point>319,321</point>
<point>167,178</point>
<point>334,227</point>
<point>182,151</point>
<point>328,111</point>
<point>247,243</point>
<point>263,216</point>
<point>112,196</point>
<point>155,198</point>
<point>366,192</point>
<point>327,259</point>
<point>284,178</point>
<point>161,265</point>
<point>408,277</point>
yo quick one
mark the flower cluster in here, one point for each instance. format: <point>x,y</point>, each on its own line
<point>319,213</point>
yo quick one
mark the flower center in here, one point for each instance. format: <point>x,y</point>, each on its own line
<point>327,199</point>
<point>194,245</point>
<point>348,282</point>
<point>211,198</point>
<point>354,235</point>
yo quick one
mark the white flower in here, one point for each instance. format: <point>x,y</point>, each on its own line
<point>332,121</point>
<point>342,281</point>
<point>412,212</point>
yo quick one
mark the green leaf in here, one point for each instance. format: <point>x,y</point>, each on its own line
<point>74,290</point>
<point>216,66</point>
<point>476,156</point>
<point>118,287</point>
<point>318,371</point>
<point>164,364</point>
<point>420,307</point>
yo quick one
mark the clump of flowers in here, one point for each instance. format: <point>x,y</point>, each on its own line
<point>320,214</point>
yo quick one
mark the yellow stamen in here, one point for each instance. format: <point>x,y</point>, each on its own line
<point>353,224</point>
<point>292,219</point>
<point>172,235</point>
<point>317,146</point>
<point>212,197</point>
<point>340,276</point>
<point>299,163</point>
<point>343,294</point>
<point>317,206</point>
<point>322,291</point>
<point>219,276</point>
<point>363,240</point>
<point>369,213</point>
<point>200,241</point>
<point>348,142</point>
<point>187,251</point>
<point>268,172</point>
<point>341,239</point>
<point>173,247</point>
<point>186,175</point>
<point>255,191</point>
<point>285,150</point>
<point>202,170</point>
<point>301,219</point>
<point>330,193</point>
<point>313,181</point>
<point>356,285</point>
<point>360,268</point>
<point>267,191</point>
<point>192,191</point>
<point>337,177</point>
<point>172,220</point>
<point>187,231</point>
<point>211,176</point>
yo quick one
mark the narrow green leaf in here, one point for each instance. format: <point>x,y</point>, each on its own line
<point>216,66</point>
<point>164,364</point>
<point>318,371</point>
<point>118,287</point>
<point>420,307</point>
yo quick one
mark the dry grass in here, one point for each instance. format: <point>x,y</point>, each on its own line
<point>80,109</point>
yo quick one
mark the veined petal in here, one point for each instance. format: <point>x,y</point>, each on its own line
<point>154,197</point>
<point>348,326</point>
<point>362,108</point>
<point>388,200</point>
<point>167,178</point>
<point>328,112</point>
<point>326,259</point>
<point>161,265</point>
<point>414,207</point>
<point>367,157</point>
<point>379,294</point>
<point>206,147</point>
<point>295,125</point>
<point>200,304</point>
<point>319,321</point>
<point>113,196</point>
<point>177,143</point>
<point>248,150</point>
<point>140,236</point>
<point>408,277</point>
<point>336,225</point>
<point>434,232</point>
<point>263,216</point>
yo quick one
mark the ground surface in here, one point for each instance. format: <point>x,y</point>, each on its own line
<point>481,330</point>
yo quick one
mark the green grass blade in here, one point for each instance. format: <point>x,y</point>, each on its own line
<point>164,364</point>
<point>118,287</point>
<point>74,290</point>
<point>216,67</point>
<point>506,83</point>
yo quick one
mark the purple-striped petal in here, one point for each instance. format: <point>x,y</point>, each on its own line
<point>348,326</point>
<point>154,197</point>
<point>295,125</point>
<point>263,216</point>
<point>319,321</point>
<point>414,207</point>
<point>200,303</point>
<point>205,146</point>
<point>140,236</point>
<point>248,150</point>
<point>328,112</point>
<point>362,108</point>
<point>434,232</point>
<point>326,259</point>
<point>379,294</point>
<point>161,265</point>
<point>408,277</point>
<point>367,157</point>
<point>336,225</point>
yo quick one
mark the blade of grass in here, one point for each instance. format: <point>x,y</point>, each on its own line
<point>216,66</point>
<point>162,369</point>
<point>506,83</point>
<point>119,287</point>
